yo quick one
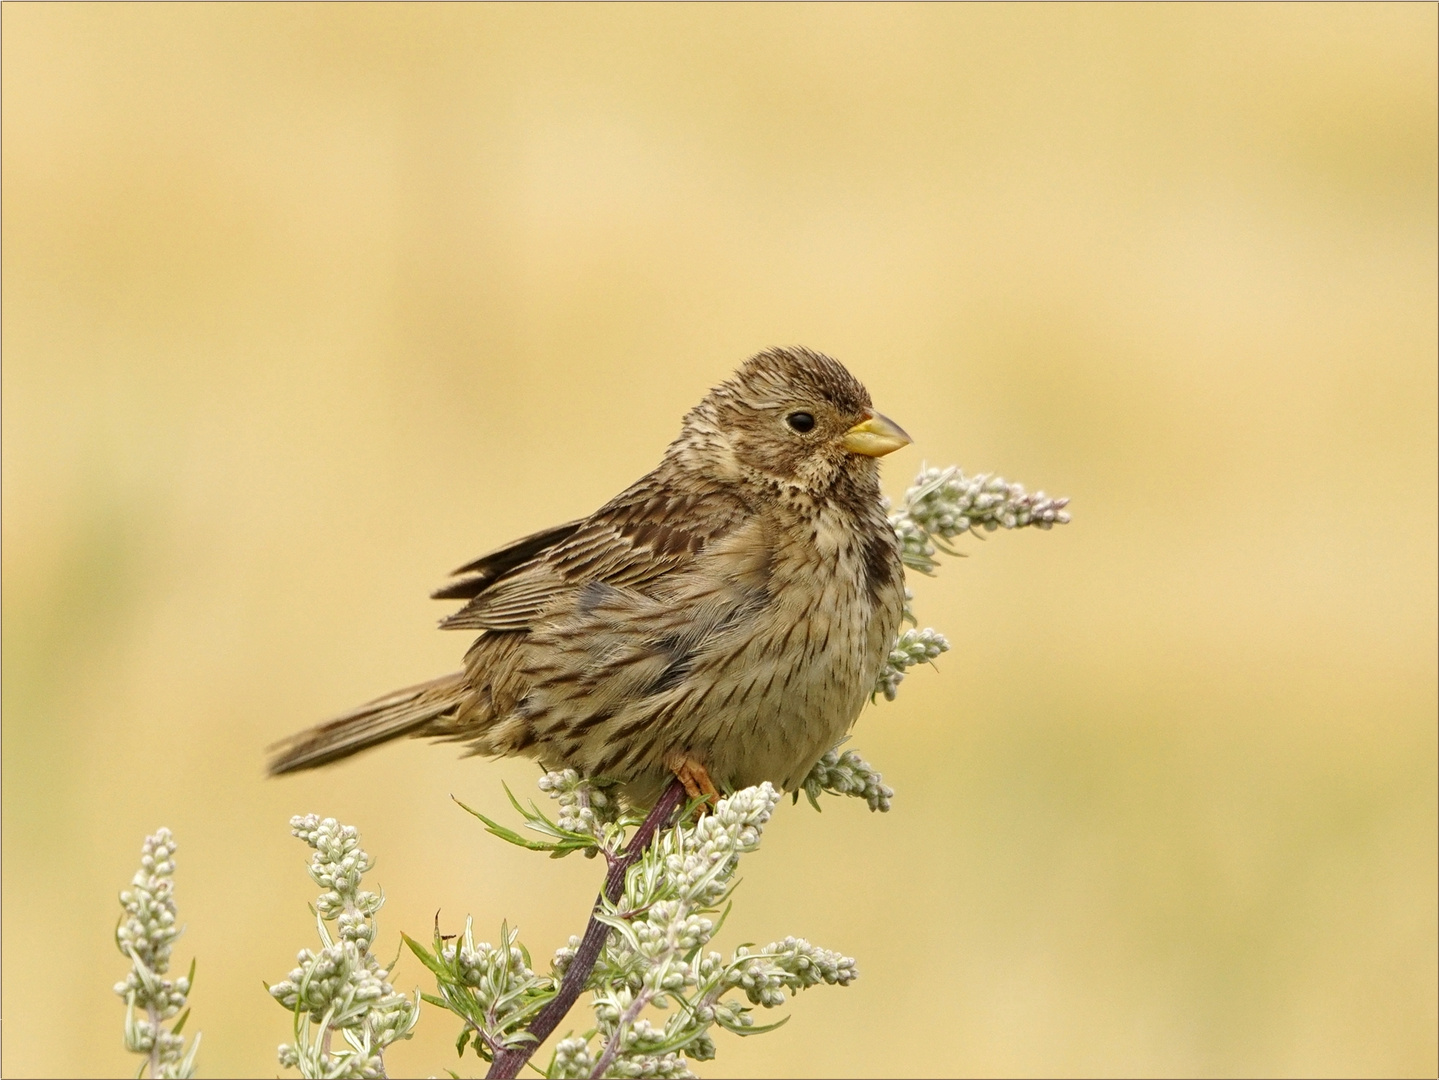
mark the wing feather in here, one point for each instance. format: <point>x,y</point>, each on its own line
<point>640,537</point>
<point>488,569</point>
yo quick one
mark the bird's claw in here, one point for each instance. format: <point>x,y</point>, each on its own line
<point>696,779</point>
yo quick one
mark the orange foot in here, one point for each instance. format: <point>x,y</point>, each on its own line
<point>694,776</point>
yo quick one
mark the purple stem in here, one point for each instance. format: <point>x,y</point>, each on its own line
<point>508,1063</point>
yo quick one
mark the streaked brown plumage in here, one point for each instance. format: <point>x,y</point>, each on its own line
<point>723,619</point>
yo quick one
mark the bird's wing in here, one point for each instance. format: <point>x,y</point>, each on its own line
<point>488,569</point>
<point>643,536</point>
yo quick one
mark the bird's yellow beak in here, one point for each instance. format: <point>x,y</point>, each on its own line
<point>875,437</point>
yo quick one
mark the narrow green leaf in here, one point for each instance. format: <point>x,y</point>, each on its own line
<point>729,906</point>
<point>507,835</point>
<point>434,963</point>
<point>516,802</point>
<point>759,1030</point>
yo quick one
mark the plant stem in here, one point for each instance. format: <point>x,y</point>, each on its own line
<point>612,1048</point>
<point>154,1046</point>
<point>508,1063</point>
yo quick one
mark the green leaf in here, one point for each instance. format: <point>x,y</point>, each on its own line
<point>508,835</point>
<point>759,1030</point>
<point>564,841</point>
<point>536,819</point>
<point>729,905</point>
<point>621,924</point>
<point>938,542</point>
<point>530,814</point>
<point>180,1023</point>
<point>434,963</point>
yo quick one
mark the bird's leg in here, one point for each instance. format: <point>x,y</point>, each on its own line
<point>694,776</point>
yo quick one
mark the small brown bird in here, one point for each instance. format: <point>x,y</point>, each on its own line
<point>722,620</point>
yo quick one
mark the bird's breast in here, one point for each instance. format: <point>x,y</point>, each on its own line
<point>792,682</point>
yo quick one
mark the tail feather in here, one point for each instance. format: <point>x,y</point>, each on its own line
<point>404,712</point>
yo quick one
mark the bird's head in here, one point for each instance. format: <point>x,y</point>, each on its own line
<point>793,416</point>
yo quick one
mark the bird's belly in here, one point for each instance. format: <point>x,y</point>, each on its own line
<point>783,697</point>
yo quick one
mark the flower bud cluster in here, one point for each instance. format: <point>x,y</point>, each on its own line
<point>493,988</point>
<point>492,972</point>
<point>146,933</point>
<point>337,867</point>
<point>585,807</point>
<point>915,549</point>
<point>848,774</point>
<point>341,981</point>
<point>341,986</point>
<point>564,956</point>
<point>149,928</point>
<point>700,860</point>
<point>792,964</point>
<point>942,503</point>
<point>670,1066</point>
<point>910,648</point>
<point>572,1060</point>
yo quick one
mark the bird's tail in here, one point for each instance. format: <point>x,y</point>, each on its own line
<point>404,712</point>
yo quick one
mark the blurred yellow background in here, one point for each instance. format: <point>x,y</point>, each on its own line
<point>305,306</point>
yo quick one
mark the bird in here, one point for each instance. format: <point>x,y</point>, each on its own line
<point>722,621</point>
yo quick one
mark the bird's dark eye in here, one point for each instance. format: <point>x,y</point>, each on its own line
<point>800,421</point>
